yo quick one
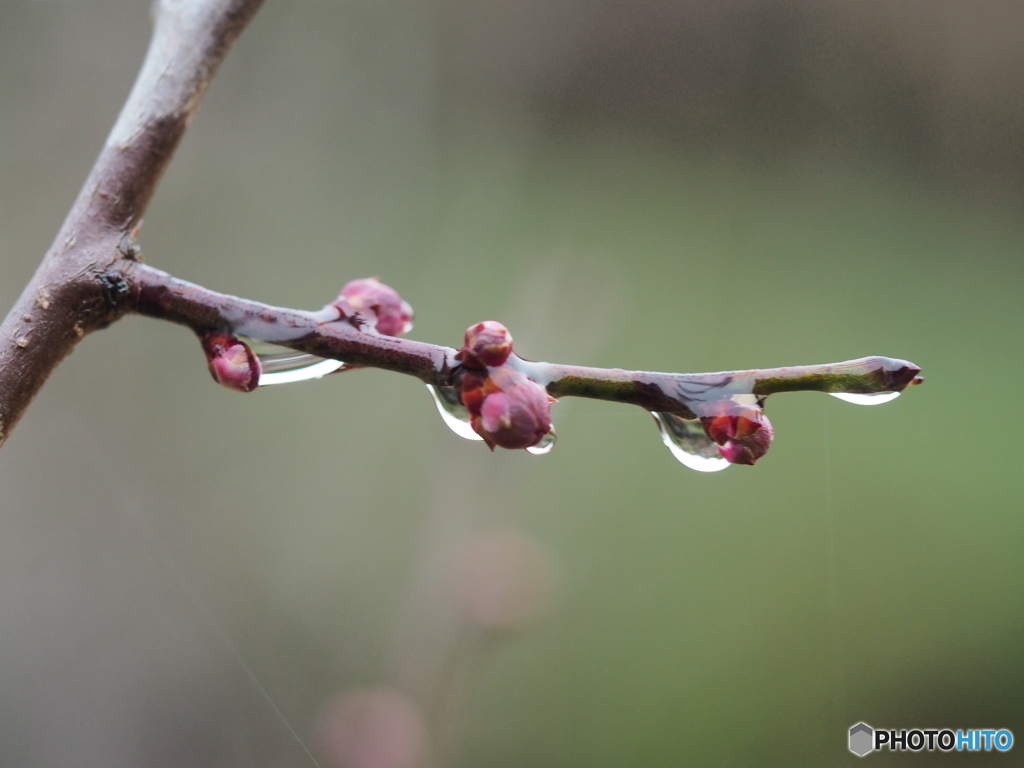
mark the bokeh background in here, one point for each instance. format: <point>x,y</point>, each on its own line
<point>186,573</point>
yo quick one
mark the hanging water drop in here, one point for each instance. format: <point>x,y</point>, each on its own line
<point>316,370</point>
<point>689,444</point>
<point>284,366</point>
<point>875,399</point>
<point>454,413</point>
<point>545,445</point>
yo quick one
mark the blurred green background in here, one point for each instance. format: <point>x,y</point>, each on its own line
<point>642,184</point>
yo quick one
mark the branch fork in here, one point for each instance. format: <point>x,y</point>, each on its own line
<point>93,275</point>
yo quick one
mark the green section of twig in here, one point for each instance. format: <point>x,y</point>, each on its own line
<point>158,294</point>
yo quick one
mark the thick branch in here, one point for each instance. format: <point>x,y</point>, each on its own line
<point>157,294</point>
<point>78,287</point>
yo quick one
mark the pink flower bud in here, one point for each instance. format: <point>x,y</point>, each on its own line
<point>742,432</point>
<point>374,728</point>
<point>506,408</point>
<point>505,580</point>
<point>377,304</point>
<point>487,344</point>
<point>232,363</point>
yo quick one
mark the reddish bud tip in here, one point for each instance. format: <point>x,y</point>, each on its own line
<point>232,364</point>
<point>487,344</point>
<point>377,304</point>
<point>895,375</point>
<point>742,432</point>
<point>506,408</point>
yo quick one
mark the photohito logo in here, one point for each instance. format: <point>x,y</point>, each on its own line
<point>864,739</point>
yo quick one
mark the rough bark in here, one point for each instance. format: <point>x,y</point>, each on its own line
<point>80,285</point>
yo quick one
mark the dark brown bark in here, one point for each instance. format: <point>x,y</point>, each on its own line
<point>80,285</point>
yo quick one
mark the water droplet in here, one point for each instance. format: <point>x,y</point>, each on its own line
<point>545,445</point>
<point>688,443</point>
<point>452,411</point>
<point>283,366</point>
<point>876,399</point>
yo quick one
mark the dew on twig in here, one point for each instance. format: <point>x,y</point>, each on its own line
<point>686,439</point>
<point>874,399</point>
<point>545,445</point>
<point>454,413</point>
<point>284,366</point>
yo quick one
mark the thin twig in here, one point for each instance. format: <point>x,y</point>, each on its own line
<point>158,294</point>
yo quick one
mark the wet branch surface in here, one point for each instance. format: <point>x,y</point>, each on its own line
<point>92,274</point>
<point>157,294</point>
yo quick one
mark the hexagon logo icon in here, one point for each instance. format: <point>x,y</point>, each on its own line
<point>862,737</point>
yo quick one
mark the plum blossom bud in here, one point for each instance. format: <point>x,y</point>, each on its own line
<point>487,344</point>
<point>505,580</point>
<point>742,432</point>
<point>506,408</point>
<point>374,728</point>
<point>232,363</point>
<point>377,304</point>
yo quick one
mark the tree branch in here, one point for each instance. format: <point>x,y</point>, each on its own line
<point>156,294</point>
<point>79,286</point>
<point>92,276</point>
